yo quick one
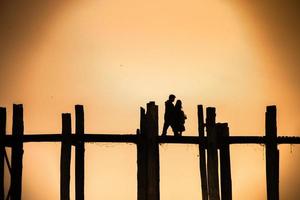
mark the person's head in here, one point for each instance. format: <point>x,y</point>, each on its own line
<point>172,97</point>
<point>178,104</point>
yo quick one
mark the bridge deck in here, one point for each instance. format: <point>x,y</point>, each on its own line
<point>132,138</point>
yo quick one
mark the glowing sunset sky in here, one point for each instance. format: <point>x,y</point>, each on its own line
<point>114,56</point>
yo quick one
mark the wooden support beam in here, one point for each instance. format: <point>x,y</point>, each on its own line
<point>152,152</point>
<point>212,153</point>
<point>142,159</point>
<point>226,185</point>
<point>202,156</point>
<point>148,154</point>
<point>65,158</point>
<point>2,149</point>
<point>79,154</point>
<point>272,155</point>
<point>17,152</point>
<point>130,138</point>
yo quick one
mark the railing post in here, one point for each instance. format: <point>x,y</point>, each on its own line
<point>226,185</point>
<point>272,155</point>
<point>212,160</point>
<point>152,151</point>
<point>142,159</point>
<point>202,156</point>
<point>65,158</point>
<point>79,153</point>
<point>2,149</point>
<point>17,152</point>
<point>148,154</point>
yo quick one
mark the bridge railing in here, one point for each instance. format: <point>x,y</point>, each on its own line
<point>213,140</point>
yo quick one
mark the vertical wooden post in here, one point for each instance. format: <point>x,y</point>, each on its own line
<point>17,152</point>
<point>65,158</point>
<point>226,185</point>
<point>202,156</point>
<point>152,151</point>
<point>272,155</point>
<point>212,160</point>
<point>79,153</point>
<point>148,154</point>
<point>2,149</point>
<point>142,159</point>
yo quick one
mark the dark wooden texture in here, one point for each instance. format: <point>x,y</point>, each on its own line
<point>272,155</point>
<point>212,155</point>
<point>2,149</point>
<point>142,159</point>
<point>17,152</point>
<point>65,158</point>
<point>79,154</point>
<point>225,168</point>
<point>202,156</point>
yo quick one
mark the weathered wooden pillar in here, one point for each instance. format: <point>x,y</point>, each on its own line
<point>272,155</point>
<point>212,160</point>
<point>65,158</point>
<point>202,156</point>
<point>148,154</point>
<point>17,152</point>
<point>2,149</point>
<point>152,151</point>
<point>79,153</point>
<point>142,159</point>
<point>226,185</point>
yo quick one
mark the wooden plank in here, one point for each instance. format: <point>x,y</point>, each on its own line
<point>142,159</point>
<point>152,152</point>
<point>226,184</point>
<point>79,154</point>
<point>2,149</point>
<point>65,159</point>
<point>130,138</point>
<point>272,155</point>
<point>17,152</point>
<point>288,140</point>
<point>126,138</point>
<point>245,140</point>
<point>202,156</point>
<point>8,139</point>
<point>182,140</point>
<point>212,153</point>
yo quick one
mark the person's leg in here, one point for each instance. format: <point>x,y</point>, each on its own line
<point>165,128</point>
<point>175,129</point>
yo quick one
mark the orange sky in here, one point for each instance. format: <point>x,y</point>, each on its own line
<point>114,56</point>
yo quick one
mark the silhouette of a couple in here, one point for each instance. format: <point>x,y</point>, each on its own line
<point>174,117</point>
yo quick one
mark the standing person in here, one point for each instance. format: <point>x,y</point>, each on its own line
<point>179,119</point>
<point>169,114</point>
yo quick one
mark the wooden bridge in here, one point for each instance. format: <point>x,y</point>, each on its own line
<point>147,139</point>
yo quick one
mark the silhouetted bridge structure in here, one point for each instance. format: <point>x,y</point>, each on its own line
<point>213,151</point>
